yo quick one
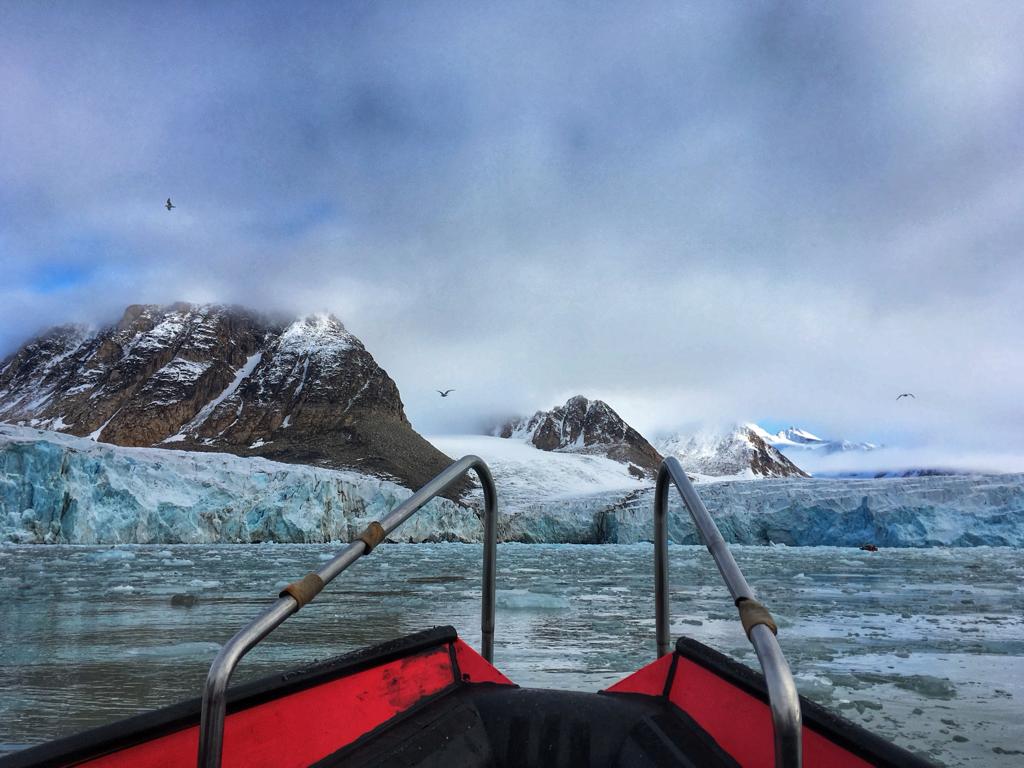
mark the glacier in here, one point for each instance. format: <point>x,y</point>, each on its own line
<point>57,488</point>
<point>943,511</point>
<point>546,500</point>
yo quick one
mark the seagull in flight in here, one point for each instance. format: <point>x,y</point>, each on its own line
<point>445,393</point>
<point>168,205</point>
<point>907,394</point>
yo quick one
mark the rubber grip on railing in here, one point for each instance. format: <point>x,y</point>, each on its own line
<point>753,613</point>
<point>304,590</point>
<point>372,536</point>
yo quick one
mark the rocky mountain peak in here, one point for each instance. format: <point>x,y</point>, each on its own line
<point>319,334</point>
<point>737,452</point>
<point>225,378</point>
<point>585,426</point>
<point>798,435</point>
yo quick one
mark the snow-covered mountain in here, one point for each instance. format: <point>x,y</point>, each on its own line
<point>587,427</point>
<point>737,453</point>
<point>591,427</point>
<point>211,377</point>
<point>795,439</point>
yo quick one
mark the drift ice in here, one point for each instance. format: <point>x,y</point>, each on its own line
<point>428,699</point>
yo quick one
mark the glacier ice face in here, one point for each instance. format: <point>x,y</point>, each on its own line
<point>61,489</point>
<point>951,511</point>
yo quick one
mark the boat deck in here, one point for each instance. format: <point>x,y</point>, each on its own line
<point>482,726</point>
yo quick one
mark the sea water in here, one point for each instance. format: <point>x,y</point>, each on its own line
<point>925,647</point>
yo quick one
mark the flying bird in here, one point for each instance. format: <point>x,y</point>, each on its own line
<point>168,205</point>
<point>907,394</point>
<point>445,393</point>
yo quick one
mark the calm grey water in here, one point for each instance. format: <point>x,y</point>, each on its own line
<point>926,647</point>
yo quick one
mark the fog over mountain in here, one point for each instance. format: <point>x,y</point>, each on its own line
<point>700,213</point>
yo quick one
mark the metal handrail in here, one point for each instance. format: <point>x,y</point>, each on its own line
<point>782,694</point>
<point>211,728</point>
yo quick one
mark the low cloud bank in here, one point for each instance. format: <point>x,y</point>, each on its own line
<point>904,459</point>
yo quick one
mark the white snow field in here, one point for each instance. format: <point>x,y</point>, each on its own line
<point>60,489</point>
<point>524,474</point>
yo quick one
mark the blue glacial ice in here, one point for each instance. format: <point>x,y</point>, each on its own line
<point>60,489</point>
<point>952,511</point>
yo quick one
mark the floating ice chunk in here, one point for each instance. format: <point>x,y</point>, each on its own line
<point>204,584</point>
<point>519,599</point>
<point>112,554</point>
<point>183,650</point>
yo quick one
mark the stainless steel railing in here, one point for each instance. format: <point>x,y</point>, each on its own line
<point>211,728</point>
<point>782,694</point>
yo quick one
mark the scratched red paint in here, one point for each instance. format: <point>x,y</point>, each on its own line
<point>304,727</point>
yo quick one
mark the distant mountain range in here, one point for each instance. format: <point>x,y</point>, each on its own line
<point>175,388</point>
<point>305,390</point>
<point>593,427</point>
<point>793,440</point>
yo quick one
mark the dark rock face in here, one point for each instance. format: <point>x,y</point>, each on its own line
<point>768,461</point>
<point>586,426</point>
<point>130,384</point>
<point>224,379</point>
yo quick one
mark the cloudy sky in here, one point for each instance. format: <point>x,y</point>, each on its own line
<point>788,212</point>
